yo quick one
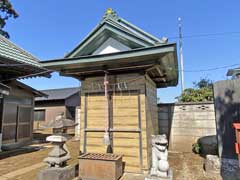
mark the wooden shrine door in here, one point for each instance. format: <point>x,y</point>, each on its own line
<point>125,126</point>
<point>127,129</point>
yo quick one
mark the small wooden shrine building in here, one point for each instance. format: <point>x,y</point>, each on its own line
<point>120,68</point>
<point>16,98</point>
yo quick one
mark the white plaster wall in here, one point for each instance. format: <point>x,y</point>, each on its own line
<point>111,46</point>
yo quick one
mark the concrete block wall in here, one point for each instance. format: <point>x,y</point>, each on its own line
<point>184,123</point>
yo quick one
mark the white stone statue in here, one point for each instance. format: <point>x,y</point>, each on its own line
<point>160,165</point>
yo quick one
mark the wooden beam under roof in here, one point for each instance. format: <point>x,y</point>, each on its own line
<point>84,71</point>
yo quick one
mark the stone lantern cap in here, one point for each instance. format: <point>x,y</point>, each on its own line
<point>56,138</point>
<point>60,122</point>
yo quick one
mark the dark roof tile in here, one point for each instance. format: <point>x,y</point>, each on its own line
<point>58,94</point>
<point>11,51</point>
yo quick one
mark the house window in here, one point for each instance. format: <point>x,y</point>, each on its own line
<point>39,115</point>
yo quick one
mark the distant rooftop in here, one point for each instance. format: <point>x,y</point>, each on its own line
<point>58,94</point>
<point>233,72</point>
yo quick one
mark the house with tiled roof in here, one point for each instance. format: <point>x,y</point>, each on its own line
<point>58,101</point>
<point>16,98</point>
<point>234,73</point>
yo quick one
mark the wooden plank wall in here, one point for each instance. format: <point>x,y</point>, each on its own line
<point>128,113</point>
<point>17,122</point>
<point>125,116</point>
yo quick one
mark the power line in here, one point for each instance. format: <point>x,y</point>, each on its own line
<point>212,69</point>
<point>206,35</point>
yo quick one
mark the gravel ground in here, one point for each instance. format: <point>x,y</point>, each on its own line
<point>189,166</point>
<point>17,162</point>
<point>186,166</point>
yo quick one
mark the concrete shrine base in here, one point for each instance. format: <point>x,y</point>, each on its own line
<point>170,176</point>
<point>65,173</point>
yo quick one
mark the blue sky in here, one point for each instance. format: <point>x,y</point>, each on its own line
<point>51,29</point>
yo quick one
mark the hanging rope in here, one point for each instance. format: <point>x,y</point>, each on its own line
<point>106,138</point>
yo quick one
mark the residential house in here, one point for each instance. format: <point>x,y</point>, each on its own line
<point>58,101</point>
<point>16,98</point>
<point>235,73</point>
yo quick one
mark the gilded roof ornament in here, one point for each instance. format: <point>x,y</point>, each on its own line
<point>110,14</point>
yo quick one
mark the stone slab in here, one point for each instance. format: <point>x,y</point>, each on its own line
<point>212,164</point>
<point>66,173</point>
<point>170,176</point>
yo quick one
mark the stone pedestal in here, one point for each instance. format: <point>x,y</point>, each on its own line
<point>169,177</point>
<point>212,164</point>
<point>57,158</point>
<point>65,173</point>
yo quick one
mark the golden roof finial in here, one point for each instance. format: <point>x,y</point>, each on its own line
<point>110,14</point>
<point>109,11</point>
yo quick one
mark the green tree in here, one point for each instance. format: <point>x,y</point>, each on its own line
<point>203,91</point>
<point>6,11</point>
<point>204,82</point>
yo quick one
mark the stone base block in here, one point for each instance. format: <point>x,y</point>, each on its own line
<point>212,164</point>
<point>169,177</point>
<point>66,173</point>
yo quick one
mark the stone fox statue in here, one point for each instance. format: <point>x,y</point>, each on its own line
<point>160,165</point>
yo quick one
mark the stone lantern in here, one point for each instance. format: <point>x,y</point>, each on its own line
<point>57,158</point>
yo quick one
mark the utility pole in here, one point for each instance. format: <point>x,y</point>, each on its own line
<point>181,53</point>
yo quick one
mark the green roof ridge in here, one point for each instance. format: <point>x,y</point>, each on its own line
<point>111,18</point>
<point>110,14</point>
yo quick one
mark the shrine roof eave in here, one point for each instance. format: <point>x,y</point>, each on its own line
<point>10,69</point>
<point>4,89</point>
<point>164,56</point>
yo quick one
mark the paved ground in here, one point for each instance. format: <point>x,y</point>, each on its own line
<point>186,166</point>
<point>26,166</point>
<point>189,166</point>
